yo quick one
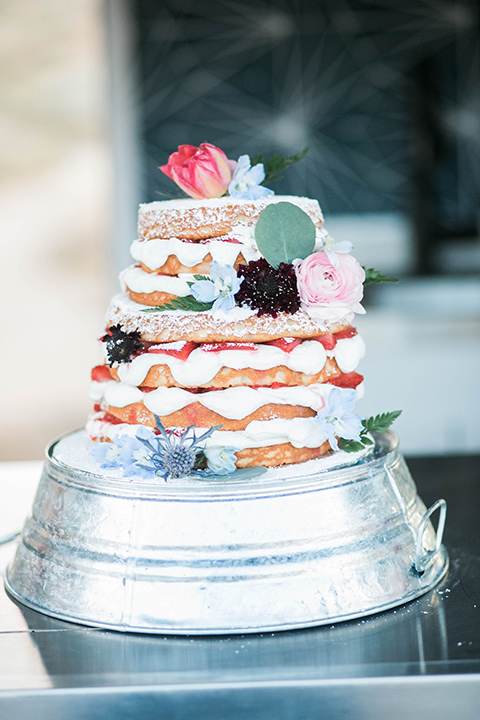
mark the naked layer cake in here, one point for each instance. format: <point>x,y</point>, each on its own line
<point>232,343</point>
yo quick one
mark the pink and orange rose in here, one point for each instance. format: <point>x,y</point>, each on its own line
<point>327,292</point>
<point>201,172</point>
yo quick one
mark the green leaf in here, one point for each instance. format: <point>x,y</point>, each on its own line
<point>277,164</point>
<point>350,445</point>
<point>373,276</point>
<point>187,303</point>
<point>257,159</point>
<point>284,232</point>
<point>197,278</point>
<point>381,423</point>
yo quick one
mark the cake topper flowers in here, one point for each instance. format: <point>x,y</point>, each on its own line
<point>202,172</point>
<point>206,172</point>
<point>247,181</point>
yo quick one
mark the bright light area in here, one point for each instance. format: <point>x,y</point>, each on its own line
<point>55,198</point>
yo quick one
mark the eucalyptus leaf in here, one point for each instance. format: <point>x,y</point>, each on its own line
<point>284,232</point>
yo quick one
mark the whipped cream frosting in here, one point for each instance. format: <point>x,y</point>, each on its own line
<point>140,281</point>
<point>300,432</point>
<point>234,403</point>
<point>201,367</point>
<point>154,253</point>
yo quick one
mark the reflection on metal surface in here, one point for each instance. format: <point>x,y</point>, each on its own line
<point>9,538</point>
<point>424,558</point>
<point>409,640</point>
<point>229,557</point>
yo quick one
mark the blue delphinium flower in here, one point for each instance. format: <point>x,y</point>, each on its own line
<point>220,288</point>
<point>125,452</point>
<point>106,454</point>
<point>220,461</point>
<point>147,455</point>
<point>331,247</point>
<point>337,418</point>
<point>245,183</point>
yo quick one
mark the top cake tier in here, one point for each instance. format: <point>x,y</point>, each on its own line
<point>202,219</point>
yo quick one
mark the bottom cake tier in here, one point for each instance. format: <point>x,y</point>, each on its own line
<point>294,547</point>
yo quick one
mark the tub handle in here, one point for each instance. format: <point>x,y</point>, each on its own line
<point>424,558</point>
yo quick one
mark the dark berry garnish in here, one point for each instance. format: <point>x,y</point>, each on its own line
<point>267,289</point>
<point>120,345</point>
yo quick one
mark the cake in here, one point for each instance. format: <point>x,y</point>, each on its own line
<point>225,482</point>
<point>232,344</point>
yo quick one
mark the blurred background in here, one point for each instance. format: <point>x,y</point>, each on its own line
<point>97,93</point>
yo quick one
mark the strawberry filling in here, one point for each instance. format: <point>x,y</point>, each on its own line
<point>347,333</point>
<point>328,341</point>
<point>286,344</point>
<point>218,346</point>
<point>101,373</point>
<point>107,417</point>
<point>347,380</point>
<point>180,350</point>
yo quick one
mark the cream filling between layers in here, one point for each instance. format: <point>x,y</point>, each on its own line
<point>139,281</point>
<point>299,432</point>
<point>234,403</point>
<point>154,253</point>
<point>201,367</point>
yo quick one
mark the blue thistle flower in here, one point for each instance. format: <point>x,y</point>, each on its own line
<point>173,454</point>
<point>169,454</point>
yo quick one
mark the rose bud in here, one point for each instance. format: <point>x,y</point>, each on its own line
<point>203,172</point>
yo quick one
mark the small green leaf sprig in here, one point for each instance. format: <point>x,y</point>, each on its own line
<point>277,164</point>
<point>373,276</point>
<point>376,423</point>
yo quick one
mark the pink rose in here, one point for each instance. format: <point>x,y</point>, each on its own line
<point>203,172</point>
<point>328,292</point>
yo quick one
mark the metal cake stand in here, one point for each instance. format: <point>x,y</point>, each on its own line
<point>274,552</point>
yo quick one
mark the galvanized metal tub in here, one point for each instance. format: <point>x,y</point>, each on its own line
<point>274,552</point>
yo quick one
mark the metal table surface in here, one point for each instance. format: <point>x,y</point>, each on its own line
<point>421,660</point>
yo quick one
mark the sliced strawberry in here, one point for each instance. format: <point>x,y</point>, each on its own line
<point>180,350</point>
<point>97,407</point>
<point>233,241</point>
<point>101,373</point>
<point>286,344</point>
<point>346,380</point>
<point>218,346</point>
<point>275,385</point>
<point>111,419</point>
<point>328,341</point>
<point>347,333</point>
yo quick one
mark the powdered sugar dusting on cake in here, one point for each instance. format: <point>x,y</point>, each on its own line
<point>211,217</point>
<point>174,325</point>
